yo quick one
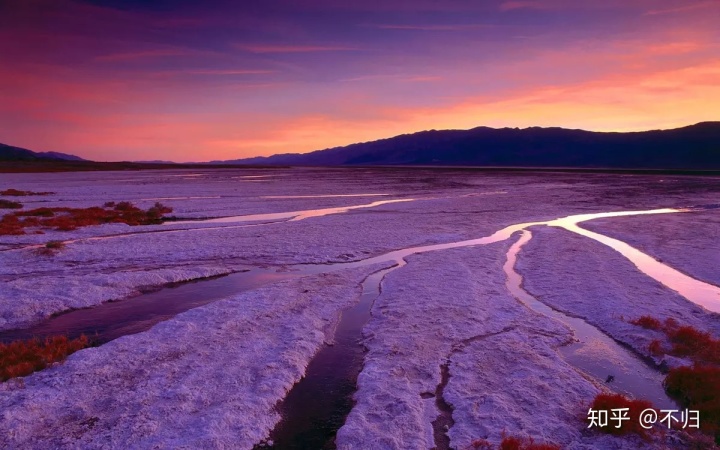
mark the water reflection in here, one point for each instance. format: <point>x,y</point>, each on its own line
<point>322,196</point>
<point>292,215</point>
<point>703,294</point>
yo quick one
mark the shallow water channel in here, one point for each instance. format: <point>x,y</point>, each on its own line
<point>316,406</point>
<point>593,352</point>
<point>114,319</point>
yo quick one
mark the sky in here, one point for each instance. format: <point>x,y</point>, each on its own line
<point>179,80</point>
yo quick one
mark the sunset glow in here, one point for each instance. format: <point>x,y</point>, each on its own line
<point>116,80</point>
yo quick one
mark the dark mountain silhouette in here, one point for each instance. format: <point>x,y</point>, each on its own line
<point>21,160</point>
<point>11,153</point>
<point>63,156</point>
<point>693,147</point>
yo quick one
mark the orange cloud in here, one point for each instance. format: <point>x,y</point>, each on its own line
<point>663,99</point>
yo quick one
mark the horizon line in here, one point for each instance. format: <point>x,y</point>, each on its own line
<point>161,161</point>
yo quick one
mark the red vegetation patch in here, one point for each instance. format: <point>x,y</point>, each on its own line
<point>10,224</point>
<point>671,324</point>
<point>687,342</point>
<point>21,358</point>
<point>513,443</point>
<point>608,402</point>
<point>18,193</point>
<point>68,219</point>
<point>697,388</point>
<point>697,345</point>
<point>655,348</point>
<point>7,204</point>
<point>648,322</point>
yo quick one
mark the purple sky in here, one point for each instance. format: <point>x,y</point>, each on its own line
<point>191,81</point>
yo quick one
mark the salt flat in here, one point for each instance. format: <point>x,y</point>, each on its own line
<point>211,376</point>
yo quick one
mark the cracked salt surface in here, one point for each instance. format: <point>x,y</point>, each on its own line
<point>497,381</point>
<point>208,378</point>
<point>112,320</point>
<point>629,371</point>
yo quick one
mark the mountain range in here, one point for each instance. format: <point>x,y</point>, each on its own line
<point>11,153</point>
<point>695,147</point>
<point>692,147</point>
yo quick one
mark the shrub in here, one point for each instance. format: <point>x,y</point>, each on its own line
<point>51,248</point>
<point>125,206</point>
<point>607,402</point>
<point>655,348</point>
<point>55,245</point>
<point>480,444</point>
<point>10,225</point>
<point>37,212</point>
<point>648,322</point>
<point>21,358</point>
<point>18,193</point>
<point>697,345</point>
<point>687,341</point>
<point>671,324</point>
<point>512,443</point>
<point>7,204</point>
<point>157,211</point>
<point>697,388</point>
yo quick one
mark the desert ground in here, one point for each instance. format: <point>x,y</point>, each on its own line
<point>354,308</point>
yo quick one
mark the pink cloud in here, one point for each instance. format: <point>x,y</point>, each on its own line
<point>680,9</point>
<point>229,72</point>
<point>398,77</point>
<point>421,79</point>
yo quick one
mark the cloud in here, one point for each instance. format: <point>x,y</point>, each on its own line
<point>228,72</point>
<point>269,48</point>
<point>675,48</point>
<point>66,87</point>
<point>398,77</point>
<point>511,5</point>
<point>421,78</point>
<point>430,27</point>
<point>128,56</point>
<point>680,9</point>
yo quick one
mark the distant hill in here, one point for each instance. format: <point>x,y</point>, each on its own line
<point>21,160</point>
<point>11,153</point>
<point>58,155</point>
<point>695,147</point>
